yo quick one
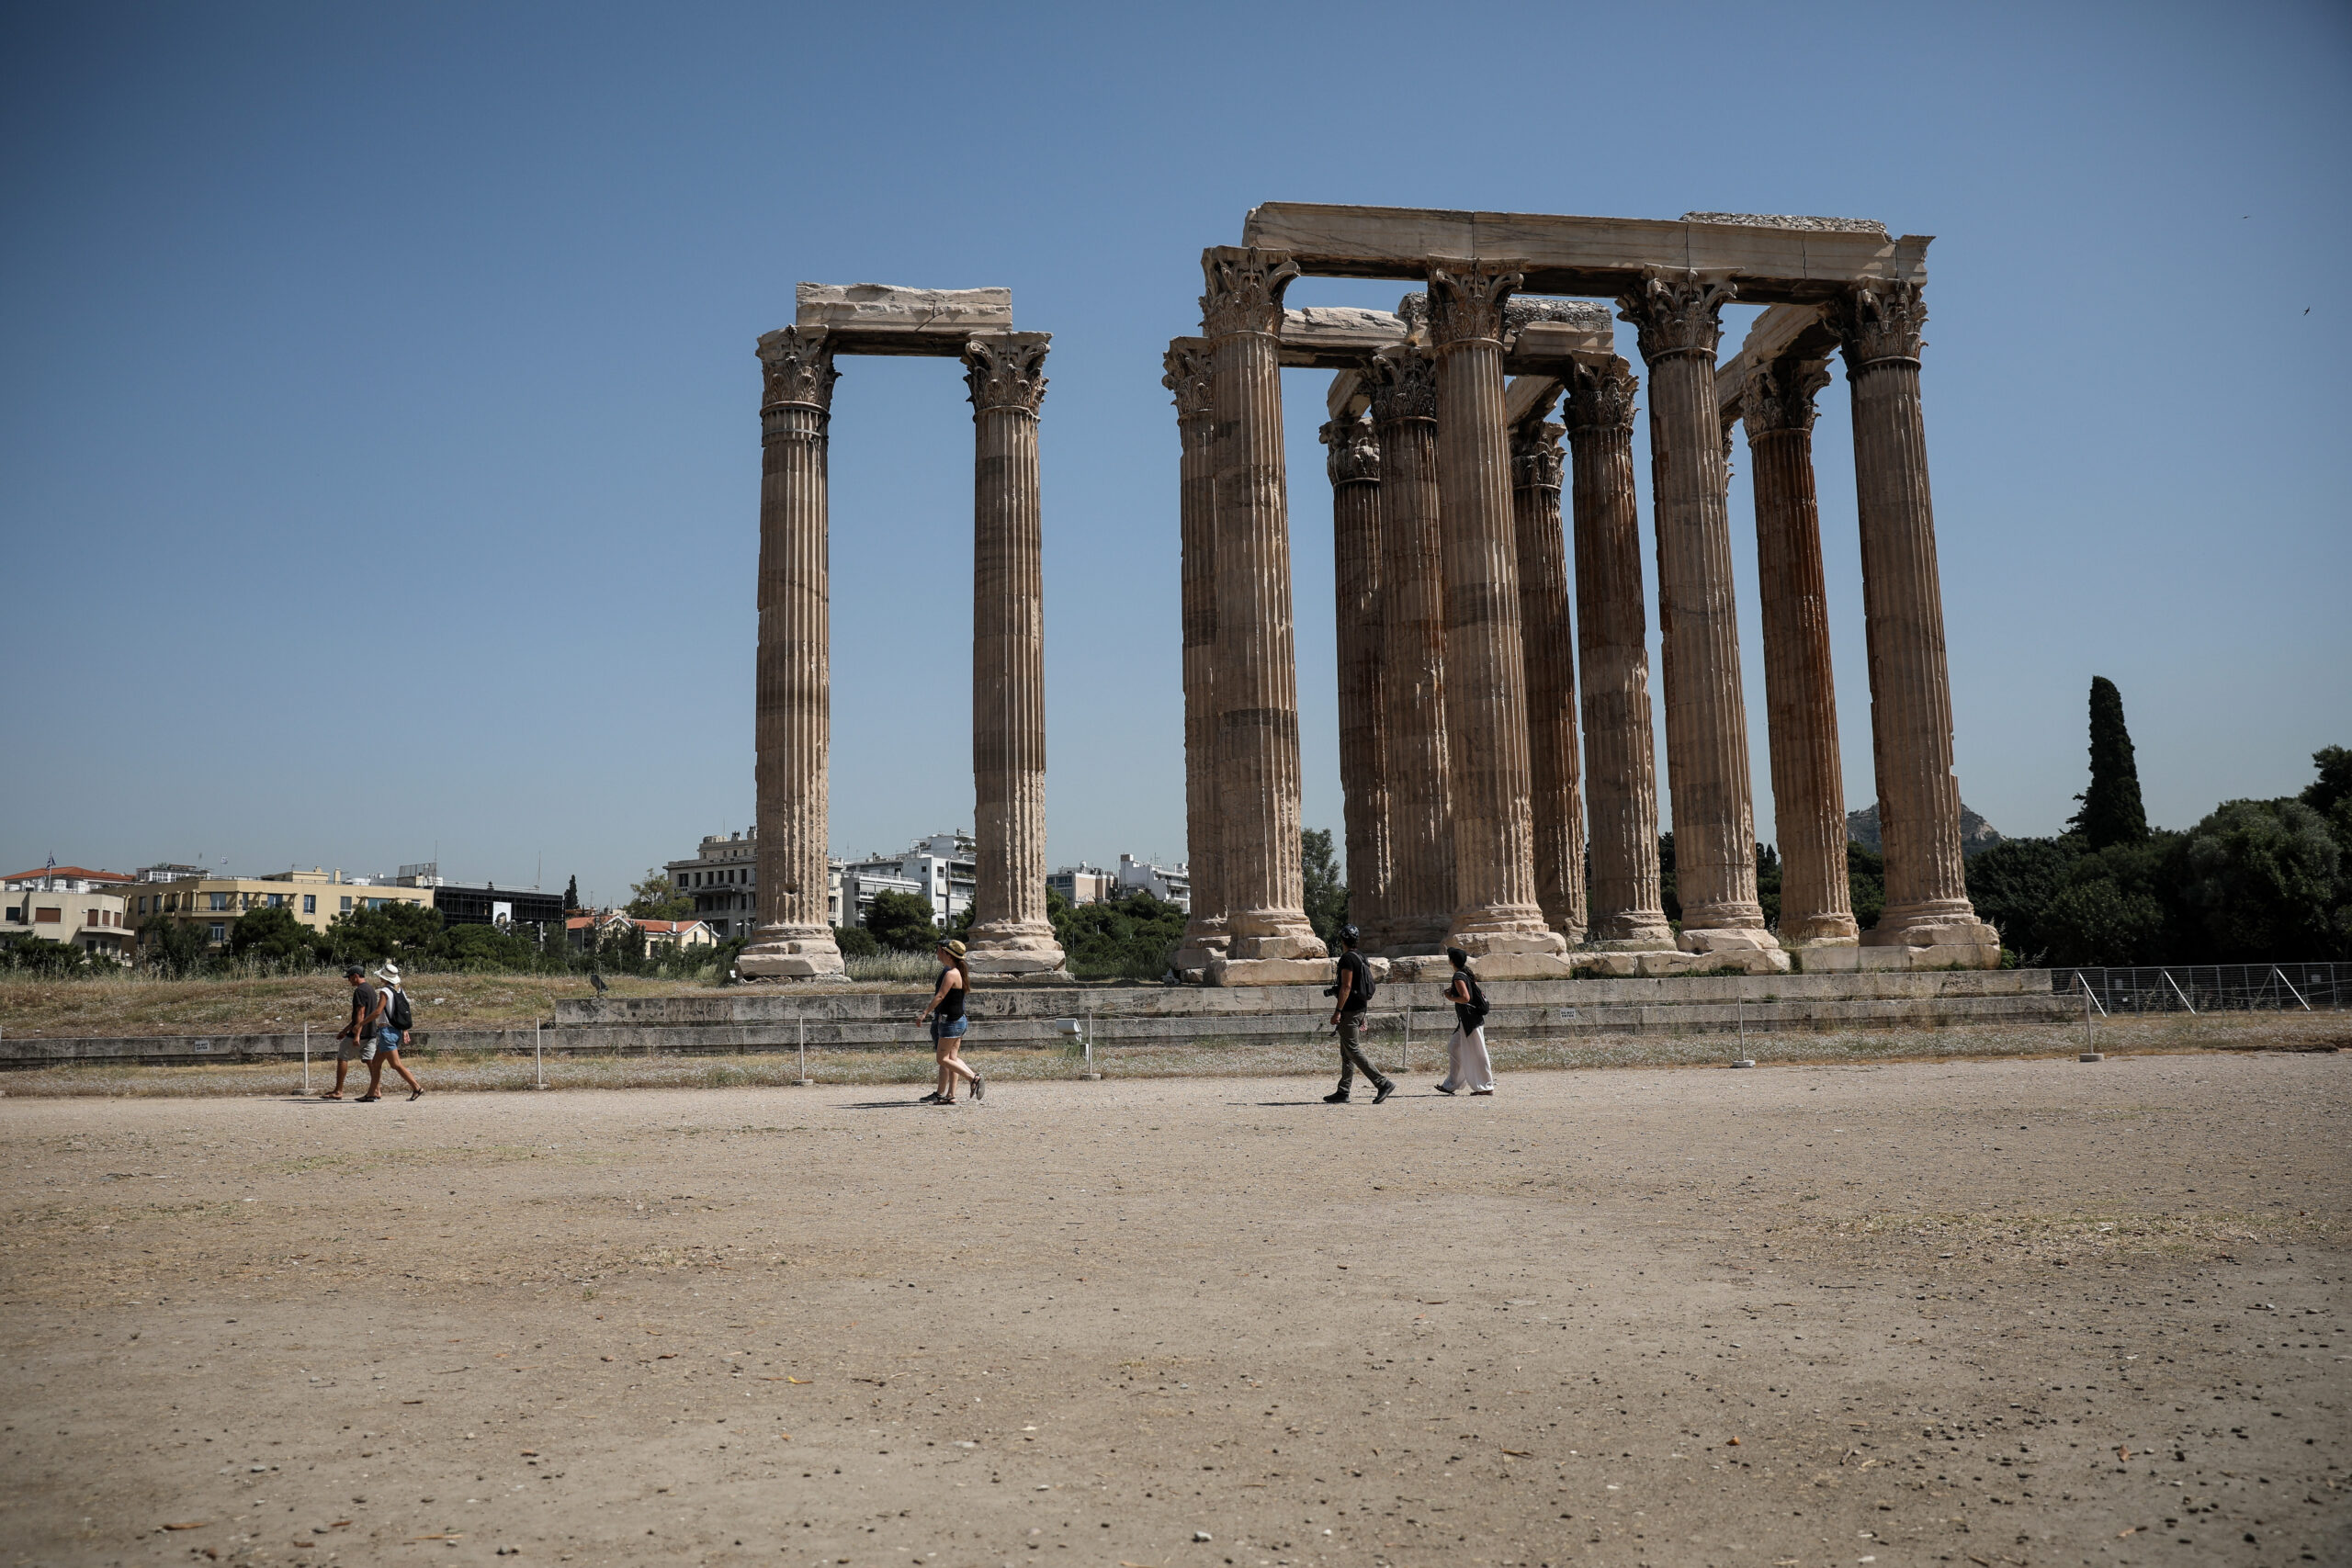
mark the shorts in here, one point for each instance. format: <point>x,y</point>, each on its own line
<point>350,1051</point>
<point>948,1028</point>
<point>388,1041</point>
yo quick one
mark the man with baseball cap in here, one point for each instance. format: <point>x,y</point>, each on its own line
<point>1354,993</point>
<point>356,1040</point>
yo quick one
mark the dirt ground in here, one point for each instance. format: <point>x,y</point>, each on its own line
<point>1997,1312</point>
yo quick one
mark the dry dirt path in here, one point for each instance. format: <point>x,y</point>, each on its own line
<point>2016,1312</point>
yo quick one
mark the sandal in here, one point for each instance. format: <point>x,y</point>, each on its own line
<point>368,1099</point>
<point>330,1096</point>
<point>414,1095</point>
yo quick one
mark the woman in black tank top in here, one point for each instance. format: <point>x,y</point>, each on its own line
<point>946,1015</point>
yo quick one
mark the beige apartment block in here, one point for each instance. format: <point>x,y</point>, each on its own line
<point>314,897</point>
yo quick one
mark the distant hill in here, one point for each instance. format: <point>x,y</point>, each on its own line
<point>1976,835</point>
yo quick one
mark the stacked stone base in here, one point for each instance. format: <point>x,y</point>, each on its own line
<point>1604,964</point>
<point>792,957</point>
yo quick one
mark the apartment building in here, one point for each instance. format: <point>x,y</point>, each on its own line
<point>314,897</point>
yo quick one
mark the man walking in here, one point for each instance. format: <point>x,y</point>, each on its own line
<point>1354,993</point>
<point>354,1039</point>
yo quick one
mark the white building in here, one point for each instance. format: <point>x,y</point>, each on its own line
<point>71,904</point>
<point>942,871</point>
<point>1168,884</point>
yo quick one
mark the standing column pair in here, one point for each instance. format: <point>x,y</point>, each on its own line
<point>794,940</point>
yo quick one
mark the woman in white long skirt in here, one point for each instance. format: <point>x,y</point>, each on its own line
<point>1466,1063</point>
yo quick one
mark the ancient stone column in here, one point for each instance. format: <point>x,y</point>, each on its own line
<point>1187,375</point>
<point>1010,935</point>
<point>1402,384</point>
<point>1676,315</point>
<point>1354,465</point>
<point>1547,638</point>
<point>794,724</point>
<point>1919,799</point>
<point>1257,674</point>
<point>1800,693</point>
<point>1613,633</point>
<point>1495,914</point>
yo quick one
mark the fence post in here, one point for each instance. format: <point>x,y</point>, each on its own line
<point>539,1055</point>
<point>1405,1051</point>
<point>306,1058</point>
<point>804,1050</point>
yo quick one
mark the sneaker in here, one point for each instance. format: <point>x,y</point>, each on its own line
<point>1442,1089</point>
<point>979,1086</point>
<point>1337,1097</point>
<point>930,1098</point>
<point>1476,1092</point>
<point>1385,1090</point>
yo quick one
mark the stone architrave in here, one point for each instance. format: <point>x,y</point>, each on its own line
<point>1187,375</point>
<point>794,940</point>
<point>1354,466</point>
<point>1800,691</point>
<point>1269,940</point>
<point>1402,384</point>
<point>1547,636</point>
<point>1676,317</point>
<point>1010,934</point>
<point>1496,915</point>
<point>1911,731</point>
<point>1626,894</point>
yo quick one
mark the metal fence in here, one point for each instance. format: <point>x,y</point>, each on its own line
<point>2211,988</point>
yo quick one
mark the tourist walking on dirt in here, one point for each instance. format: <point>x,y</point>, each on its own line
<point>948,1021</point>
<point>1354,993</point>
<point>1466,1063</point>
<point>353,1039</point>
<point>392,1033</point>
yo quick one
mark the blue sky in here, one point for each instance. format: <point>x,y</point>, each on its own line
<point>378,439</point>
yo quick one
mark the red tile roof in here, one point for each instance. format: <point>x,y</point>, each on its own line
<point>80,874</point>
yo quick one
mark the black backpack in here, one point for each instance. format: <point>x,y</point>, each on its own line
<point>1360,995</point>
<point>399,1017</point>
<point>1477,1004</point>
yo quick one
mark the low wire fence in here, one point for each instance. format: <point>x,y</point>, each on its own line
<point>2211,988</point>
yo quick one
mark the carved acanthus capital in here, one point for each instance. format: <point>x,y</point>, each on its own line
<point>1882,321</point>
<point>1185,372</point>
<point>1676,312</point>
<point>1006,370</point>
<point>797,366</point>
<point>1780,393</point>
<point>1401,380</point>
<point>1245,289</point>
<point>1354,457</point>
<point>1467,300</point>
<point>1535,457</point>
<point>1601,397</point>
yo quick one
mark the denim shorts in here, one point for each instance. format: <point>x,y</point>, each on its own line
<point>387,1040</point>
<point>948,1028</point>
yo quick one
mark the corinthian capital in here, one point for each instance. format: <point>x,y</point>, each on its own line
<point>1535,455</point>
<point>1185,372</point>
<point>797,366</point>
<point>1467,299</point>
<point>1355,454</point>
<point>1245,289</point>
<point>1882,321</point>
<point>1401,380</point>
<point>1006,370</point>
<point>1778,394</point>
<point>1676,312</point>
<point>1601,397</point>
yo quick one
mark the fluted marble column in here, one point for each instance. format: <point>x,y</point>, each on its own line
<point>1612,633</point>
<point>1187,375</point>
<point>1800,691</point>
<point>1011,935</point>
<point>1494,831</point>
<point>1354,466</point>
<point>1911,741</point>
<point>1547,637</point>
<point>794,939</point>
<point>1402,384</point>
<point>1257,675</point>
<point>1676,315</point>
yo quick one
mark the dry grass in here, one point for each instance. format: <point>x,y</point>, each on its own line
<point>1310,1056</point>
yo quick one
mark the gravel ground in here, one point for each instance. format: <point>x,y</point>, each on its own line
<point>2010,1311</point>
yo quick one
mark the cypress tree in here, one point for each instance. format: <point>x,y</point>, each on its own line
<point>571,894</point>
<point>2112,812</point>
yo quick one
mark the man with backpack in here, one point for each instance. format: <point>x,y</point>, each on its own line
<point>1467,1065</point>
<point>393,1022</point>
<point>1354,993</point>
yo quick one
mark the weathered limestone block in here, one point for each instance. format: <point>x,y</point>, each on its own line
<point>1607,965</point>
<point>884,318</point>
<point>1271,972</point>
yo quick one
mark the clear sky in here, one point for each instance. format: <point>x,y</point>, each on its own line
<point>379,434</point>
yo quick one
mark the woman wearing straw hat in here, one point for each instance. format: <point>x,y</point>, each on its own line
<point>946,1017</point>
<point>390,1039</point>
